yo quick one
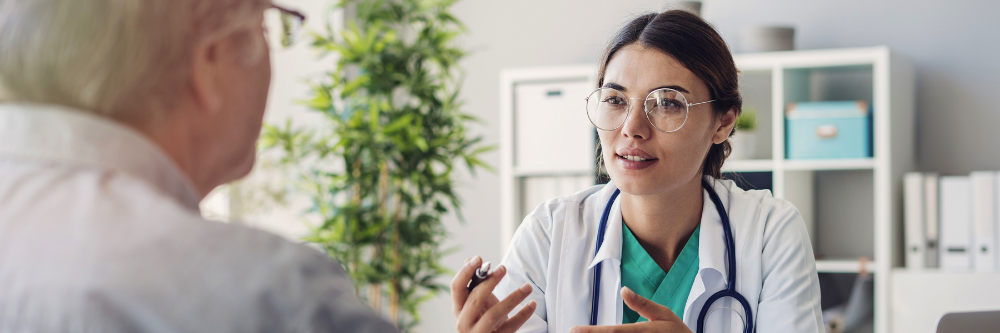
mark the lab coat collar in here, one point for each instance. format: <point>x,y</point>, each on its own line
<point>711,251</point>
<point>611,248</point>
<point>63,135</point>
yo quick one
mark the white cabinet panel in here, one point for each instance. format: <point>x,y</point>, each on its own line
<point>536,190</point>
<point>920,297</point>
<point>551,130</point>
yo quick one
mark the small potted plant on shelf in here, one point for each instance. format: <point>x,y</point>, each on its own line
<point>745,139</point>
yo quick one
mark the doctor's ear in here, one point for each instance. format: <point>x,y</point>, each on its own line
<point>725,124</point>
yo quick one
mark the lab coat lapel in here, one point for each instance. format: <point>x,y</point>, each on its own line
<point>711,256</point>
<point>610,255</point>
<point>611,248</point>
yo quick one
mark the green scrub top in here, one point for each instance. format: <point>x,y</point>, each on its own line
<point>641,274</point>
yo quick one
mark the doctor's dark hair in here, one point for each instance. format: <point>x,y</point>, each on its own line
<point>697,46</point>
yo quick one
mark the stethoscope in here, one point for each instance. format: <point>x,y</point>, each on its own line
<point>730,290</point>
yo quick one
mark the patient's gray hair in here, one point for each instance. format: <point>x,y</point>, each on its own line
<point>119,58</point>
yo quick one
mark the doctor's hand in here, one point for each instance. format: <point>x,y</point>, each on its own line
<point>479,311</point>
<point>661,319</point>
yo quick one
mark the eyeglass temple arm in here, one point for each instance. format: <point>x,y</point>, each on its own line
<point>295,13</point>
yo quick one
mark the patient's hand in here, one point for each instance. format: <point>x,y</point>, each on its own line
<point>480,311</point>
<point>661,319</point>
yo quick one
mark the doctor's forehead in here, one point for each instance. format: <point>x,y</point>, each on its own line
<point>635,69</point>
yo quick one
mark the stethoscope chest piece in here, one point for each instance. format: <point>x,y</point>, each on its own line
<point>715,320</point>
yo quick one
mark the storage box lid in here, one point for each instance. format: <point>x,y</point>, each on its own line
<point>827,109</point>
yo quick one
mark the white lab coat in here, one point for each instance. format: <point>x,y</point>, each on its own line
<point>554,247</point>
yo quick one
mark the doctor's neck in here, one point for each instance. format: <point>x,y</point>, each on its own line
<point>663,223</point>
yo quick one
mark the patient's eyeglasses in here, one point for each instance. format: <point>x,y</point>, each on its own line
<point>291,23</point>
<point>666,109</point>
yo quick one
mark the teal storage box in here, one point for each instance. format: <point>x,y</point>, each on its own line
<point>826,130</point>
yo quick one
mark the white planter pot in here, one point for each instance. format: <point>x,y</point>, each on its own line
<point>744,145</point>
<point>766,39</point>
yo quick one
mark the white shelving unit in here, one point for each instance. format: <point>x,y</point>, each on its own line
<point>852,207</point>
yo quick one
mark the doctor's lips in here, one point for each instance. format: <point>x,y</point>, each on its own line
<point>634,155</point>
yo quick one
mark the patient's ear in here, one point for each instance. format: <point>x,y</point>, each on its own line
<point>206,68</point>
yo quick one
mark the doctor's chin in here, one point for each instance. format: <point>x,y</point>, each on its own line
<point>477,166</point>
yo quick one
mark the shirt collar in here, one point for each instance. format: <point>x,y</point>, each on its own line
<point>60,134</point>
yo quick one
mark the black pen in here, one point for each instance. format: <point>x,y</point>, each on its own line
<point>481,274</point>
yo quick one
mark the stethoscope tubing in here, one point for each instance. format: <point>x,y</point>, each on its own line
<point>727,230</point>
<point>597,270</point>
<point>730,290</point>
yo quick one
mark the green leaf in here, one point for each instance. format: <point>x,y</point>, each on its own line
<point>399,124</point>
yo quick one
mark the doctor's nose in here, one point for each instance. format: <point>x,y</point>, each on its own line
<point>637,126</point>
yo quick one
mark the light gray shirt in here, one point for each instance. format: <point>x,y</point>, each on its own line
<point>100,232</point>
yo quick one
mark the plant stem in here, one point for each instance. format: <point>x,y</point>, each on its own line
<point>394,303</point>
<point>375,297</point>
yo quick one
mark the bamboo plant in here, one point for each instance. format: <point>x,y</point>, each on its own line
<point>379,170</point>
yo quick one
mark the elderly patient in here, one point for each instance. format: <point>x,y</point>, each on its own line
<point>117,118</point>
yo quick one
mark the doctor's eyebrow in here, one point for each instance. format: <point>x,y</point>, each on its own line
<point>678,88</point>
<point>615,86</point>
<point>619,87</point>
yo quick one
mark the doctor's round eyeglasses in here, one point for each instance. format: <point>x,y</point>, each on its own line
<point>666,109</point>
<point>290,23</point>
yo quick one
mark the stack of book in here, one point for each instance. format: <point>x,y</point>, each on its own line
<point>952,222</point>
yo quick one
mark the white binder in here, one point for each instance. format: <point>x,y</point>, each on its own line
<point>931,217</point>
<point>983,202</point>
<point>913,215</point>
<point>956,223</point>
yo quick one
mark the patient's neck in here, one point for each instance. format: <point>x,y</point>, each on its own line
<point>188,143</point>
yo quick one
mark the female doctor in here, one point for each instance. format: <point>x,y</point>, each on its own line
<point>666,246</point>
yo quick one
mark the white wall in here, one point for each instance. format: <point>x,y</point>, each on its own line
<point>951,43</point>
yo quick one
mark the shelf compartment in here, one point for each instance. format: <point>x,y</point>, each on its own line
<point>748,165</point>
<point>753,180</point>
<point>835,83</point>
<point>756,88</point>
<point>843,266</point>
<point>830,164</point>
<point>843,212</point>
<point>837,289</point>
